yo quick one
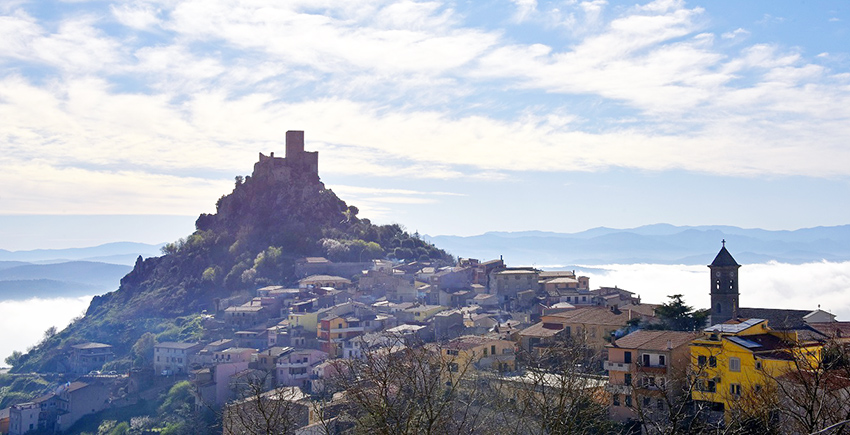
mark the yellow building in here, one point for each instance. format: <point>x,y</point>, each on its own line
<point>734,362</point>
<point>465,353</point>
<point>308,321</point>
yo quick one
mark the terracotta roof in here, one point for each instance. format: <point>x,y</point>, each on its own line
<point>656,340</point>
<point>776,318</point>
<point>469,341</point>
<point>594,316</point>
<point>176,345</point>
<point>832,329</point>
<point>540,330</point>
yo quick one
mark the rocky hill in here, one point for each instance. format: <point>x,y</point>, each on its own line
<point>280,213</point>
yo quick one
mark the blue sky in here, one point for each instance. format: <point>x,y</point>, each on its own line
<point>448,117</point>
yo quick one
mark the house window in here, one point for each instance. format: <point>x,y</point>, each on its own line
<point>493,349</point>
<point>660,404</point>
<point>647,402</point>
<point>646,360</point>
<point>616,400</point>
<point>661,360</point>
<point>735,389</point>
<point>712,361</point>
<point>628,400</point>
<point>758,365</point>
<point>735,364</point>
<point>628,379</point>
<point>701,360</point>
<point>627,357</point>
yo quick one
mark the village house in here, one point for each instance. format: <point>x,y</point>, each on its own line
<point>245,316</point>
<point>86,357</point>
<point>739,357</point>
<point>233,355</point>
<point>647,370</point>
<point>174,358</point>
<point>317,281</point>
<point>506,283</point>
<point>471,352</point>
<point>334,330</point>
<point>295,368</point>
<point>592,325</point>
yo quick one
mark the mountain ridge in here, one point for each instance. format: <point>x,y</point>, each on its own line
<point>657,243</point>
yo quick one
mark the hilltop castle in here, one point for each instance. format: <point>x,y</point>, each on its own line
<point>296,162</point>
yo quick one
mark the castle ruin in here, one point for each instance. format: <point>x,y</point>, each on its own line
<point>296,161</point>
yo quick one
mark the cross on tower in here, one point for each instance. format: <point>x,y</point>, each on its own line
<point>723,242</point>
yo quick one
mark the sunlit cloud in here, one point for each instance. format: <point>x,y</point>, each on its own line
<point>26,321</point>
<point>405,89</point>
<point>771,285</point>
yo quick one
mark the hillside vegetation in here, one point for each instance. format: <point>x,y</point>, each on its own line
<point>253,239</point>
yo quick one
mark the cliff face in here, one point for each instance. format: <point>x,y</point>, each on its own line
<point>278,214</point>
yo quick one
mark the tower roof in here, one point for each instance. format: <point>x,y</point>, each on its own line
<point>724,258</point>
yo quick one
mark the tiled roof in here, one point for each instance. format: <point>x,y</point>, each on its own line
<point>594,316</point>
<point>539,330</point>
<point>656,340</point>
<point>176,345</point>
<point>832,329</point>
<point>468,342</point>
<point>776,318</point>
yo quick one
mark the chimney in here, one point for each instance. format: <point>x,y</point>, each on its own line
<point>669,344</point>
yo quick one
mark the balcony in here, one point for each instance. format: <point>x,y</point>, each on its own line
<point>618,389</point>
<point>347,330</point>
<point>618,367</point>
<point>653,369</point>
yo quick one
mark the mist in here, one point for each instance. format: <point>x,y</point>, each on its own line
<point>23,322</point>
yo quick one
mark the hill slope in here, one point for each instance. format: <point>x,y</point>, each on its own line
<point>280,213</point>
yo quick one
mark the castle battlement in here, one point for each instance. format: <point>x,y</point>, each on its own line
<point>296,161</point>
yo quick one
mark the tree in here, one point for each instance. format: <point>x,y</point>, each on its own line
<point>15,358</point>
<point>143,349</point>
<point>676,315</point>
<point>263,411</point>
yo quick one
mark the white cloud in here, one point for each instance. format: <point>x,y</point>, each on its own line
<point>29,319</point>
<point>403,89</point>
<point>771,285</point>
<point>739,32</point>
<point>138,15</point>
<point>524,9</point>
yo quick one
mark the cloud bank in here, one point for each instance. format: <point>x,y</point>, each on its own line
<point>116,99</point>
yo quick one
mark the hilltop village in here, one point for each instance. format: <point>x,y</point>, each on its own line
<point>397,345</point>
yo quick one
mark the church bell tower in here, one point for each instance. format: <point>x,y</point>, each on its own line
<point>724,287</point>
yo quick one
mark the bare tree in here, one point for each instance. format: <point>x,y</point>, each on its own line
<point>263,410</point>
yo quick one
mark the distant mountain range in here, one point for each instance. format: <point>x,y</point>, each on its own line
<point>659,244</point>
<point>49,273</point>
<point>116,253</point>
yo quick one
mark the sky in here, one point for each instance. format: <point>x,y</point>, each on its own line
<point>449,117</point>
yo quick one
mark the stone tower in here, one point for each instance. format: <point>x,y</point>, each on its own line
<point>724,287</point>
